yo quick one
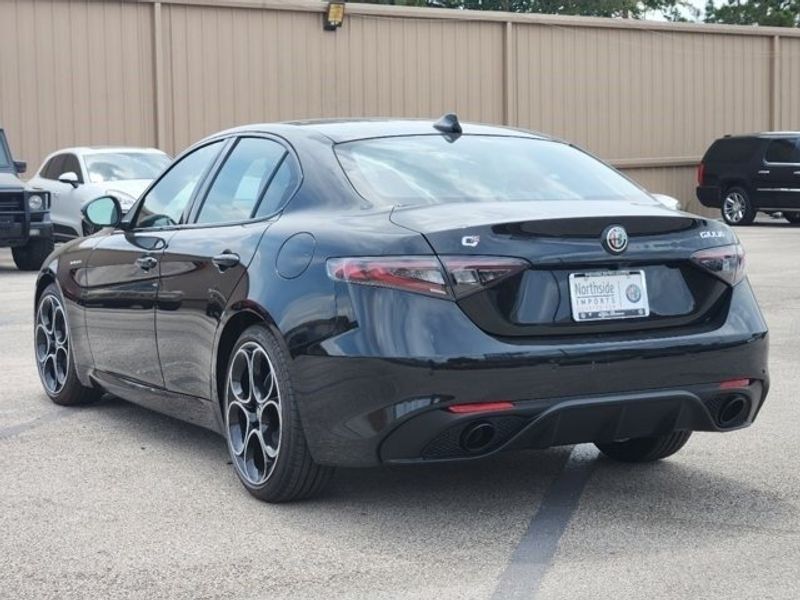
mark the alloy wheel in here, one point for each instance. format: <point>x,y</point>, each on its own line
<point>734,206</point>
<point>52,344</point>
<point>253,413</point>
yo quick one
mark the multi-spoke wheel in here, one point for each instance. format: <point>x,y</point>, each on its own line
<point>737,208</point>
<point>52,344</point>
<point>265,439</point>
<point>253,417</point>
<point>54,353</point>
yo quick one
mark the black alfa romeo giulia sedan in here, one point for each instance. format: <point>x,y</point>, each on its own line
<point>357,293</point>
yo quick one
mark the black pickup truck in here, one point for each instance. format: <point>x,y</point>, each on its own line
<point>25,224</point>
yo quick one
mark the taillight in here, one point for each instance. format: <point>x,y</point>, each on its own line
<point>412,274</point>
<point>445,277</point>
<point>726,262</point>
<point>469,274</point>
<point>701,173</point>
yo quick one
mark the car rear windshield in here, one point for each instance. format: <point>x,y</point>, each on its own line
<point>432,169</point>
<point>119,166</point>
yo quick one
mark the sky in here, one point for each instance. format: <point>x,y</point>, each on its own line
<point>699,4</point>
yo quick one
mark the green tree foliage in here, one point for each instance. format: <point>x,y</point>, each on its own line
<point>779,13</point>
<point>675,10</point>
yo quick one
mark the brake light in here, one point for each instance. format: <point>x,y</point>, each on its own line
<point>445,277</point>
<point>701,173</point>
<point>412,274</point>
<point>726,262</point>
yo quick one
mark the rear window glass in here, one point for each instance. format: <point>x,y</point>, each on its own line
<point>732,150</point>
<point>429,169</point>
<point>783,151</point>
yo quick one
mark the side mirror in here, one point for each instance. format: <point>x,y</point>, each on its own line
<point>20,166</point>
<point>69,178</point>
<point>103,212</point>
<point>668,201</point>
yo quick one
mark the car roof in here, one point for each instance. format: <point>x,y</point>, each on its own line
<point>346,130</point>
<point>762,134</point>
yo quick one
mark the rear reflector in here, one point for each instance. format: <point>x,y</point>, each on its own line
<point>701,173</point>
<point>479,407</point>
<point>733,384</point>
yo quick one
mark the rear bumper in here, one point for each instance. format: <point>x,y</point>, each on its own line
<point>709,196</point>
<point>441,435</point>
<point>369,397</point>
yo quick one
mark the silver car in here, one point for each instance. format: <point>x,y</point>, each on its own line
<point>74,176</point>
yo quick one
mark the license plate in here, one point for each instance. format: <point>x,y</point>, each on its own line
<point>608,295</point>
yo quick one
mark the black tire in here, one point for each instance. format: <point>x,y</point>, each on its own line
<point>30,257</point>
<point>252,429</point>
<point>645,449</point>
<point>737,208</point>
<point>792,217</point>
<point>65,390</point>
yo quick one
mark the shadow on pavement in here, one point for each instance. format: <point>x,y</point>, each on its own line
<point>671,490</point>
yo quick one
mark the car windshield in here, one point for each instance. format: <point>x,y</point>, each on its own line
<point>5,159</point>
<point>119,166</point>
<point>430,169</point>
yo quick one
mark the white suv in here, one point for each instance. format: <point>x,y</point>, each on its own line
<point>74,176</point>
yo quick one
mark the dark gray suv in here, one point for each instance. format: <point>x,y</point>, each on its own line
<point>25,224</point>
<point>746,174</point>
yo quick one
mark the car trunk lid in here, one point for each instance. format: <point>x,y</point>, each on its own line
<point>561,239</point>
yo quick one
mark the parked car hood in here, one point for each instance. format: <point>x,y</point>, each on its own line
<point>9,180</point>
<point>132,187</point>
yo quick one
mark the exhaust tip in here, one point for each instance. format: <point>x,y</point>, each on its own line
<point>733,411</point>
<point>477,436</point>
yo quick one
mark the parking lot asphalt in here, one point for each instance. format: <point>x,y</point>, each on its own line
<point>113,501</point>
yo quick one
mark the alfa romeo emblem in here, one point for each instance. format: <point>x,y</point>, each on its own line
<point>634,293</point>
<point>615,239</point>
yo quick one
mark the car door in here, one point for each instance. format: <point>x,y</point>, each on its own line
<point>123,273</point>
<point>778,179</point>
<point>206,259</point>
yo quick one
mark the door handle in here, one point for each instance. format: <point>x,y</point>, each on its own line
<point>797,172</point>
<point>145,263</point>
<point>225,260</point>
<point>764,172</point>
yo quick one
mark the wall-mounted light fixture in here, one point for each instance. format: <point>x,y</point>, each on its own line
<point>334,16</point>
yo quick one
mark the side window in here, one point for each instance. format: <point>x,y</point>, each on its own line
<point>166,201</point>
<point>241,181</point>
<point>53,167</point>
<point>732,150</point>
<point>783,151</point>
<point>71,165</point>
<point>281,187</point>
